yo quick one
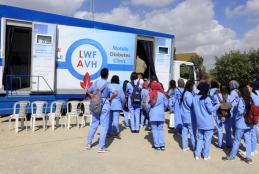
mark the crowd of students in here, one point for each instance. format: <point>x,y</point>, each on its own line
<point>196,110</point>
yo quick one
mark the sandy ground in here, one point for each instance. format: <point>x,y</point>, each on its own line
<point>62,151</point>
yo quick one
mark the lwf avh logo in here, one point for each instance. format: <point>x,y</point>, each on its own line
<point>86,55</point>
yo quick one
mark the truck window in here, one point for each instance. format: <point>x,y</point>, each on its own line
<point>186,72</point>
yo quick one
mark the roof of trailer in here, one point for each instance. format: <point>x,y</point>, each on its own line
<point>32,15</point>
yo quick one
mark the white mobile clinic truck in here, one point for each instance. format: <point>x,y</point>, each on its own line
<point>44,56</point>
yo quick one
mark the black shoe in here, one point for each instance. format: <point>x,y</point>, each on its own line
<point>162,148</point>
<point>248,160</point>
<point>227,158</point>
<point>137,132</point>
<point>157,148</point>
<point>229,147</point>
<point>117,137</point>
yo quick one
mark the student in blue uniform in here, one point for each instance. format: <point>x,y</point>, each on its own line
<point>125,105</point>
<point>116,107</point>
<point>157,103</point>
<point>171,96</point>
<point>108,94</point>
<point>232,99</point>
<point>203,108</point>
<point>186,115</point>
<point>255,98</point>
<point>134,108</point>
<point>177,113</point>
<point>144,95</point>
<point>226,122</point>
<point>242,129</point>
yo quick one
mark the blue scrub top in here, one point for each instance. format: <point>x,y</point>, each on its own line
<point>186,107</point>
<point>144,93</point>
<point>239,118</point>
<point>233,100</point>
<point>203,112</point>
<point>172,99</point>
<point>117,102</point>
<point>213,95</point>
<point>157,112</point>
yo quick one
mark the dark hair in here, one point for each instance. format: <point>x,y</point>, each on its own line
<point>224,89</point>
<point>124,86</point>
<point>133,76</point>
<point>188,87</point>
<point>245,94</point>
<point>203,88</point>
<point>214,84</point>
<point>172,84</point>
<point>115,79</point>
<point>104,73</point>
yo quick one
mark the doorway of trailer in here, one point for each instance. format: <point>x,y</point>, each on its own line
<point>18,45</point>
<point>145,57</point>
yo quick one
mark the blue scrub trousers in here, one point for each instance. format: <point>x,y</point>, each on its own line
<point>126,118</point>
<point>257,133</point>
<point>134,118</point>
<point>114,123</point>
<point>103,120</point>
<point>178,123</point>
<point>253,138</point>
<point>157,129</point>
<point>187,129</point>
<point>203,142</point>
<point>239,133</point>
<point>227,125</point>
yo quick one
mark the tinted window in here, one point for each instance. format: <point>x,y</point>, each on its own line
<point>186,72</point>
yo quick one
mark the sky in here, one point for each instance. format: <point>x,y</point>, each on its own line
<point>208,27</point>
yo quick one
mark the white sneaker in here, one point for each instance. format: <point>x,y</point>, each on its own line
<point>206,159</point>
<point>254,153</point>
<point>104,150</point>
<point>197,158</point>
<point>186,149</point>
<point>88,147</point>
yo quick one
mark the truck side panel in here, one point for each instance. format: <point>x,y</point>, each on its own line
<point>82,50</point>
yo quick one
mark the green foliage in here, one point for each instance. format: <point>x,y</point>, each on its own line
<point>200,69</point>
<point>243,67</point>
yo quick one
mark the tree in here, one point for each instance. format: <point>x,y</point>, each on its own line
<point>200,69</point>
<point>235,65</point>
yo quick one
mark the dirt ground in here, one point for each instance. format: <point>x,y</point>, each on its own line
<point>62,151</point>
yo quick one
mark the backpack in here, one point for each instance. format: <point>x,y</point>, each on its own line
<point>252,117</point>
<point>136,95</point>
<point>224,109</point>
<point>96,102</point>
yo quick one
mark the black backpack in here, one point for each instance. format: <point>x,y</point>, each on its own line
<point>136,95</point>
